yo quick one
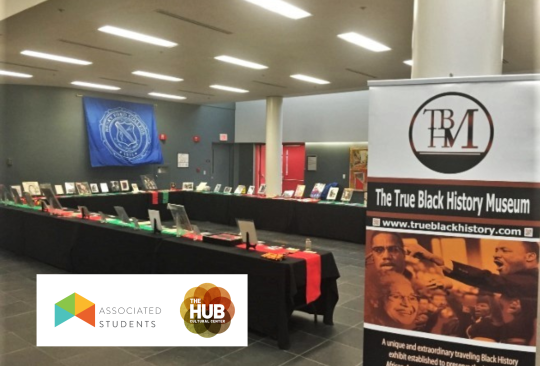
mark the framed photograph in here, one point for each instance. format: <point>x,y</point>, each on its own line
<point>288,194</point>
<point>32,188</point>
<point>299,193</point>
<point>59,189</point>
<point>227,190</point>
<point>148,182</point>
<point>317,190</point>
<point>45,185</point>
<point>18,189</point>
<point>172,185</point>
<point>347,195</point>
<point>251,190</point>
<point>134,188</point>
<point>262,189</point>
<point>94,188</point>
<point>83,188</point>
<point>70,187</point>
<point>115,186</point>
<point>104,187</point>
<point>240,190</point>
<point>217,188</point>
<point>332,194</point>
<point>201,187</point>
<point>124,185</point>
<point>187,186</point>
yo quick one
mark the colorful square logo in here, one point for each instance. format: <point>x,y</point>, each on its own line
<point>75,305</point>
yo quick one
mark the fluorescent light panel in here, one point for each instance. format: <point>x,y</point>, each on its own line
<point>97,86</point>
<point>364,42</point>
<point>229,88</point>
<point>137,36</point>
<point>239,62</point>
<point>408,62</point>
<point>282,8</point>
<point>169,96</point>
<point>48,56</point>
<point>310,79</point>
<point>156,76</point>
<point>15,74</point>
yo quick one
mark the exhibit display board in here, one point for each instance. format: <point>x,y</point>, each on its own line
<point>453,222</point>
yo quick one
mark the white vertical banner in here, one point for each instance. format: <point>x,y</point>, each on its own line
<point>453,222</point>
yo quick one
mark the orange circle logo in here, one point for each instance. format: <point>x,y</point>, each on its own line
<point>207,310</point>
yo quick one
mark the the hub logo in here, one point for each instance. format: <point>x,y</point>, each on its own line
<point>451,133</point>
<point>207,310</point>
<point>75,305</point>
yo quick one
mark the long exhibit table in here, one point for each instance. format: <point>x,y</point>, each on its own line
<point>332,221</point>
<point>275,289</point>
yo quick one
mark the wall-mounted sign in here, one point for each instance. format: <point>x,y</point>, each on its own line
<point>183,160</point>
<point>223,137</point>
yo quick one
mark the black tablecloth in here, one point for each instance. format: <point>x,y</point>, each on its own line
<point>82,246</point>
<point>341,222</point>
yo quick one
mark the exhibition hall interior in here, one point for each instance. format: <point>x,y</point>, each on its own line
<point>228,145</point>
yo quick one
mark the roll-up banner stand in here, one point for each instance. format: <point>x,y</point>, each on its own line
<point>453,222</point>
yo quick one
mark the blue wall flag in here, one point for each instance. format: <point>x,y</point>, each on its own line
<point>121,133</point>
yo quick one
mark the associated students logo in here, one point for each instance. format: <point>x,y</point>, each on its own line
<point>74,305</point>
<point>125,134</point>
<point>207,310</point>
<point>451,133</point>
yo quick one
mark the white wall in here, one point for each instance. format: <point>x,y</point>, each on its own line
<point>339,117</point>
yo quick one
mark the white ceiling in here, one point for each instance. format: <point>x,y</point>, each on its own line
<point>307,46</point>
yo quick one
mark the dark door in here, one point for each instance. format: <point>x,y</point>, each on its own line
<point>221,165</point>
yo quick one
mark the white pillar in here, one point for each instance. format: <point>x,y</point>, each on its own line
<point>274,145</point>
<point>458,37</point>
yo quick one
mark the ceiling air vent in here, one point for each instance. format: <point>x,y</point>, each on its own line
<point>94,47</point>
<point>192,21</point>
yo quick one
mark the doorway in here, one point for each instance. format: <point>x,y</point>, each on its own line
<point>293,165</point>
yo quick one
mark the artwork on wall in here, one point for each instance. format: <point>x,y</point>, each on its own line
<point>358,159</point>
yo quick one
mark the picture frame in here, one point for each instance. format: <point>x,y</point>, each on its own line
<point>299,192</point>
<point>18,189</point>
<point>187,186</point>
<point>317,190</point>
<point>148,182</point>
<point>115,186</point>
<point>262,189</point>
<point>251,190</point>
<point>217,188</point>
<point>240,189</point>
<point>94,188</point>
<point>288,194</point>
<point>347,194</point>
<point>104,187</point>
<point>332,194</point>
<point>227,190</point>
<point>134,188</point>
<point>32,188</point>
<point>83,188</point>
<point>59,189</point>
<point>70,188</point>
<point>124,185</point>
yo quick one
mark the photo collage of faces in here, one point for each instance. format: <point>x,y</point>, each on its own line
<point>483,289</point>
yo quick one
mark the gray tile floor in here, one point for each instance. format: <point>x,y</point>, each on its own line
<point>311,345</point>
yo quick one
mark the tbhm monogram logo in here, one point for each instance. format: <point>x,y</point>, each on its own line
<point>451,133</point>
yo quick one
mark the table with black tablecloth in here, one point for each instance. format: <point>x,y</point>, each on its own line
<point>275,289</point>
<point>332,221</point>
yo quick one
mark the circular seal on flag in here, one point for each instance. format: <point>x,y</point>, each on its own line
<point>125,134</point>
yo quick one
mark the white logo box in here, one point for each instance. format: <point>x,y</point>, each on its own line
<point>141,310</point>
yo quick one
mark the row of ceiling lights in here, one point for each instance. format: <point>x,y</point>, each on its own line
<point>277,6</point>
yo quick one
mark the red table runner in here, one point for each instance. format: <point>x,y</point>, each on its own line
<point>154,197</point>
<point>313,269</point>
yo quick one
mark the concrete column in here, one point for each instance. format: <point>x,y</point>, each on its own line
<point>274,145</point>
<point>457,38</point>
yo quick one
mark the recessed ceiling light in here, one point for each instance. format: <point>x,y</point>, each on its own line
<point>239,62</point>
<point>156,76</point>
<point>309,79</point>
<point>408,62</point>
<point>97,86</point>
<point>15,74</point>
<point>364,42</point>
<point>137,36</point>
<point>229,88</point>
<point>282,8</point>
<point>169,96</point>
<point>48,56</point>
